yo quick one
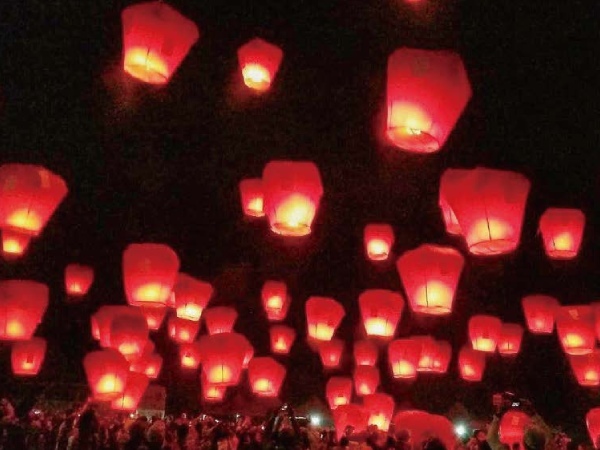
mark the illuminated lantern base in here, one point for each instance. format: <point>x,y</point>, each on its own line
<point>256,77</point>
<point>410,127</point>
<point>574,344</point>
<point>14,244</point>
<point>491,237</point>
<point>142,64</point>
<point>378,250</point>
<point>377,326</point>
<point>109,387</point>
<point>294,216</point>
<point>433,298</point>
<point>381,421</point>
<point>219,374</point>
<point>484,345</point>
<point>404,370</point>
<point>190,312</point>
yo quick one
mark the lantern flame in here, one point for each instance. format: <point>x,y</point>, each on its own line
<point>142,64</point>
<point>256,77</point>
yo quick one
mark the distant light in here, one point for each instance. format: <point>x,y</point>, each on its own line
<point>315,420</point>
<point>460,430</point>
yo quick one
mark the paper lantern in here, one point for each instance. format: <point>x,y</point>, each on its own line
<point>156,39</point>
<point>275,300</point>
<point>282,339</point>
<point>252,197</point>
<point>149,364</point>
<point>489,206</point>
<point>575,328</point>
<point>331,352</point>
<point>378,239</point>
<point>101,320</point>
<point>78,279</point>
<point>129,334</point>
<point>181,330</point>
<point>189,355</point>
<point>484,332</point>
<point>592,421</point>
<point>14,244</point>
<point>354,416</point>
<point>323,316</point>
<point>135,387</point>
<point>259,61</point>
<point>511,335</point>
<point>366,380</point>
<point>23,304</point>
<point>451,180</point>
<point>513,425</point>
<point>266,376</point>
<point>149,274</point>
<point>471,364</point>
<point>586,368</point>
<point>338,391</point>
<point>381,410</point>
<point>210,392</point>
<point>540,311</point>
<point>435,355</point>
<point>154,316</point>
<point>430,275</point>
<point>404,356</point>
<point>222,358</point>
<point>293,191</point>
<point>562,231</point>
<point>366,353</point>
<point>106,372</point>
<point>220,319</point>
<point>426,94</point>
<point>27,357</point>
<point>191,296</point>
<point>380,310</point>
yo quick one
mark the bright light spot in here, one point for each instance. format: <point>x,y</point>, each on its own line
<point>315,420</point>
<point>280,345</point>
<point>378,326</point>
<point>403,369</point>
<point>294,216</point>
<point>220,374</point>
<point>256,77</point>
<point>491,237</point>
<point>434,297</point>
<point>255,207</point>
<point>572,340</point>
<point>321,331</point>
<point>460,430</point>
<point>484,344</point>
<point>410,127</point>
<point>190,311</point>
<point>144,65</point>
<point>25,220</point>
<point>150,292</point>
<point>378,249</point>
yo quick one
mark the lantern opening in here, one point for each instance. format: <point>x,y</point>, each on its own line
<point>491,237</point>
<point>14,243</point>
<point>142,64</point>
<point>294,216</point>
<point>378,249</point>
<point>255,207</point>
<point>219,374</point>
<point>409,128</point>
<point>404,369</point>
<point>434,298</point>
<point>256,77</point>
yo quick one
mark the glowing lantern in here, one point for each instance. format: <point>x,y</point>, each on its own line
<point>259,61</point>
<point>471,364</point>
<point>426,94</point>
<point>489,206</point>
<point>586,368</point>
<point>275,300</point>
<point>191,296</point>
<point>23,303</point>
<point>78,279</point>
<point>222,358</point>
<point>513,426</point>
<point>210,392</point>
<point>404,356</point>
<point>135,387</point>
<point>430,275</point>
<point>352,415</point>
<point>484,332</point>
<point>149,364</point>
<point>220,319</point>
<point>292,192</point>
<point>562,231</point>
<point>154,316</point>
<point>366,353</point>
<point>101,320</point>
<point>510,339</point>
<point>149,273</point>
<point>378,239</point>
<point>129,334</point>
<point>266,376</point>
<point>282,339</point>
<point>380,310</point>
<point>451,180</point>
<point>27,357</point>
<point>435,355</point>
<point>189,355</point>
<point>575,327</point>
<point>252,197</point>
<point>331,352</point>
<point>14,244</point>
<point>381,409</point>
<point>338,391</point>
<point>540,311</point>
<point>106,372</point>
<point>181,330</point>
<point>156,39</point>
<point>323,316</point>
<point>366,380</point>
<point>592,421</point>
<point>442,357</point>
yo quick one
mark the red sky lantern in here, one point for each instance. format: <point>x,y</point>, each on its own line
<point>331,352</point>
<point>154,316</point>
<point>352,415</point>
<point>489,206</point>
<point>510,339</point>
<point>23,304</point>
<point>106,372</point>
<point>586,368</point>
<point>540,311</point>
<point>181,330</point>
<point>282,339</point>
<point>430,275</point>
<point>129,334</point>
<point>513,425</point>
<point>444,355</point>
<point>191,296</point>
<point>220,319</point>
<point>484,332</point>
<point>210,392</point>
<point>378,239</point>
<point>562,231</point>
<point>471,364</point>
<point>222,358</point>
<point>252,197</point>
<point>189,355</point>
<point>292,190</point>
<point>380,310</point>
<point>156,39</point>
<point>27,357</point>
<point>366,353</point>
<point>149,273</point>
<point>575,327</point>
<point>366,380</point>
<point>259,61</point>
<point>404,356</point>
<point>135,387</point>
<point>381,410</point>
<point>149,364</point>
<point>592,420</point>
<point>323,316</point>
<point>266,376</point>
<point>101,320</point>
<point>14,244</point>
<point>338,391</point>
<point>78,279</point>
<point>451,180</point>
<point>275,300</point>
<point>435,355</point>
<point>426,94</point>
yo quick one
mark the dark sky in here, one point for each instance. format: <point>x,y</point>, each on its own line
<point>162,165</point>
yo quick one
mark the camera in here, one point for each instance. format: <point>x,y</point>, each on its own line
<point>506,401</point>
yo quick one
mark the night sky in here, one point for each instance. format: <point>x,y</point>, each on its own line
<point>146,164</point>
